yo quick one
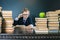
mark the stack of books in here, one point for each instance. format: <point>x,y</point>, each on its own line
<point>41,25</point>
<point>8,21</point>
<point>53,22</point>
<point>7,14</point>
<point>58,11</point>
<point>0,24</point>
<point>0,19</point>
<point>41,22</point>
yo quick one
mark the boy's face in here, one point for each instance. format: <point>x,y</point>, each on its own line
<point>26,14</point>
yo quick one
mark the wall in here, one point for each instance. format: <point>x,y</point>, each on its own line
<point>35,6</point>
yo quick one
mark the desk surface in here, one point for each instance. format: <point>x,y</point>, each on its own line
<point>30,36</point>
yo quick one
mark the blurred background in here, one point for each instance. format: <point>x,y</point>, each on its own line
<point>35,6</point>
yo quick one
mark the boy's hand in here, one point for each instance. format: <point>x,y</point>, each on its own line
<point>20,15</point>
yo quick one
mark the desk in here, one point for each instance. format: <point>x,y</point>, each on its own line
<point>30,37</point>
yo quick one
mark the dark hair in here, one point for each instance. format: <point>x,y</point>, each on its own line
<point>25,9</point>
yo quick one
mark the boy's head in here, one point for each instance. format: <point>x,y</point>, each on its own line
<point>25,13</point>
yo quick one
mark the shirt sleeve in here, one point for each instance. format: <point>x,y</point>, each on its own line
<point>15,22</point>
<point>31,25</point>
<point>16,19</point>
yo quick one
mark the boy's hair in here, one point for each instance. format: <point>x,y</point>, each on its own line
<point>25,10</point>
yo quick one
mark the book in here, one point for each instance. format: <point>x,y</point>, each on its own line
<point>41,31</point>
<point>52,19</point>
<point>40,18</point>
<point>53,24</point>
<point>42,22</point>
<point>41,26</point>
<point>53,15</point>
<point>53,31</point>
<point>57,11</point>
<point>53,28</point>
